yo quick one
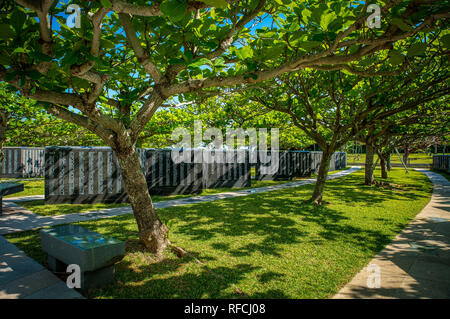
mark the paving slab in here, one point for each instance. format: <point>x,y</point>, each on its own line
<point>19,199</point>
<point>22,277</point>
<point>416,264</point>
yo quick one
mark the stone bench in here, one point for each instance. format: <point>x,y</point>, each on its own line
<point>7,189</point>
<point>94,253</point>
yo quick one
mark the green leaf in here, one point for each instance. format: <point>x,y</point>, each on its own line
<point>17,19</point>
<point>244,52</point>
<point>34,75</point>
<point>107,44</point>
<point>222,4</point>
<point>445,41</point>
<point>11,76</point>
<point>309,45</point>
<point>41,56</point>
<point>400,24</point>
<point>326,19</point>
<point>199,62</point>
<point>6,32</point>
<point>19,50</point>
<point>395,58</point>
<point>416,49</point>
<point>106,3</point>
<point>174,9</point>
<point>176,61</point>
<point>306,14</point>
<point>4,59</point>
<point>219,62</point>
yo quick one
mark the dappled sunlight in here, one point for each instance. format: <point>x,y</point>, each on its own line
<point>265,245</point>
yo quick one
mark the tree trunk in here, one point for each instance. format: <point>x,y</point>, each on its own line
<point>152,232</point>
<point>370,165</point>
<point>322,177</point>
<point>383,164</point>
<point>406,155</point>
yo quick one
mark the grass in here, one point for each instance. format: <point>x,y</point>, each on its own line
<point>39,207</point>
<point>415,158</point>
<point>267,245</point>
<point>31,187</point>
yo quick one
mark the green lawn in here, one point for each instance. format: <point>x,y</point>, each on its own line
<point>267,245</point>
<point>415,158</point>
<point>31,187</point>
<point>40,208</point>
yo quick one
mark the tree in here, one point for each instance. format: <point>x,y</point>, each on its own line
<point>332,107</point>
<point>113,83</point>
<point>420,126</point>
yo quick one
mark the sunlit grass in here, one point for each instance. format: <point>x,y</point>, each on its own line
<point>31,187</point>
<point>267,245</point>
<point>415,158</point>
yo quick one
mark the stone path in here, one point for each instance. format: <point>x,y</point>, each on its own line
<point>23,219</point>
<point>23,198</point>
<point>416,264</point>
<point>22,277</point>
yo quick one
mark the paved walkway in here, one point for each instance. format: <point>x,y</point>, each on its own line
<point>22,277</point>
<point>24,198</point>
<point>23,220</point>
<point>416,264</point>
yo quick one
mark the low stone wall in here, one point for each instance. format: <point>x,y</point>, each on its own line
<point>300,164</point>
<point>441,162</point>
<point>92,174</point>
<point>23,162</point>
<point>291,164</point>
<point>226,170</point>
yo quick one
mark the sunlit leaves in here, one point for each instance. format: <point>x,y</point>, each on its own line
<point>326,19</point>
<point>244,52</point>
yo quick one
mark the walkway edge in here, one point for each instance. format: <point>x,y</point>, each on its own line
<point>416,264</point>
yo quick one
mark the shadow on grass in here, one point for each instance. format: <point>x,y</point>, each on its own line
<point>235,237</point>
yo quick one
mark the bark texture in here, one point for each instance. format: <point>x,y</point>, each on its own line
<point>322,177</point>
<point>383,164</point>
<point>370,165</point>
<point>152,232</point>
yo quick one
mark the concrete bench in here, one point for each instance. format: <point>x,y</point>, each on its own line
<point>7,189</point>
<point>94,253</point>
